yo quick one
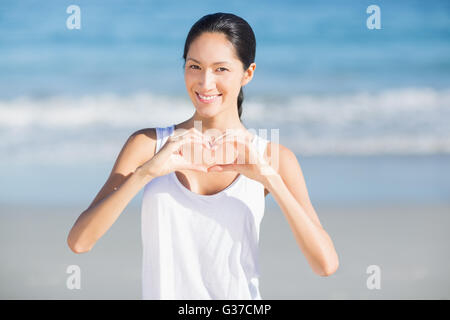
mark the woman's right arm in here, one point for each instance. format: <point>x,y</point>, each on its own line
<point>134,168</point>
<point>125,181</point>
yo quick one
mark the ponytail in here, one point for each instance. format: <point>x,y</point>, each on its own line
<point>239,102</point>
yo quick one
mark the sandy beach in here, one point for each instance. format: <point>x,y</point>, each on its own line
<point>409,244</point>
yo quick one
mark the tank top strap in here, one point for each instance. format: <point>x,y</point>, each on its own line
<point>162,134</point>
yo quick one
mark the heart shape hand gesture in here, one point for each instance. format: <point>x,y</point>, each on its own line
<point>193,150</point>
<point>213,151</point>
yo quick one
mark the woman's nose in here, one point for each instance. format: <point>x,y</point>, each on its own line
<point>207,80</point>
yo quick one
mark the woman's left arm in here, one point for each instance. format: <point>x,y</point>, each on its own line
<point>288,188</point>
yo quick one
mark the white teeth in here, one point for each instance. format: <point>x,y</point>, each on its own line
<point>206,98</point>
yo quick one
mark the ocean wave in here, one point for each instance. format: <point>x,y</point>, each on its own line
<point>93,127</point>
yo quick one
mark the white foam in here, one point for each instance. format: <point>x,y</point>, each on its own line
<point>94,128</point>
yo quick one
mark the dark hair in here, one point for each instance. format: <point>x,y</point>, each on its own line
<point>236,30</point>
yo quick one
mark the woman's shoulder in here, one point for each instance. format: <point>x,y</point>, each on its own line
<point>143,143</point>
<point>145,134</point>
<point>277,155</point>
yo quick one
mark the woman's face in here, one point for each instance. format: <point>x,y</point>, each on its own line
<point>213,70</point>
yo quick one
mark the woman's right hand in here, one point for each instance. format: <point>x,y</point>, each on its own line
<point>170,157</point>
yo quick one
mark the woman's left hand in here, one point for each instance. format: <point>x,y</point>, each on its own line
<point>248,161</point>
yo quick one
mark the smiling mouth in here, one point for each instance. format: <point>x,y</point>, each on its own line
<point>207,99</point>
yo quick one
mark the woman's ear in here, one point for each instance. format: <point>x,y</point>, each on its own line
<point>248,74</point>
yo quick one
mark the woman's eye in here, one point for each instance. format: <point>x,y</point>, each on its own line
<point>193,66</point>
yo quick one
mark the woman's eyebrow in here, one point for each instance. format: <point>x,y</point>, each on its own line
<point>220,62</point>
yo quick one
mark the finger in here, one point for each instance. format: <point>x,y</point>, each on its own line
<point>224,167</point>
<point>216,168</point>
<point>206,140</point>
<point>191,132</point>
<point>222,136</point>
<point>188,138</point>
<point>176,135</point>
<point>197,167</point>
<point>176,145</point>
<point>243,139</point>
<point>194,140</point>
<point>237,133</point>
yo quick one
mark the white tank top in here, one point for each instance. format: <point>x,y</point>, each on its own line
<point>201,246</point>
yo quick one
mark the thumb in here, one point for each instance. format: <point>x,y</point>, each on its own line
<point>223,167</point>
<point>198,167</point>
<point>215,168</point>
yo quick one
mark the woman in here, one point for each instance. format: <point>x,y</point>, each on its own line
<point>200,219</point>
